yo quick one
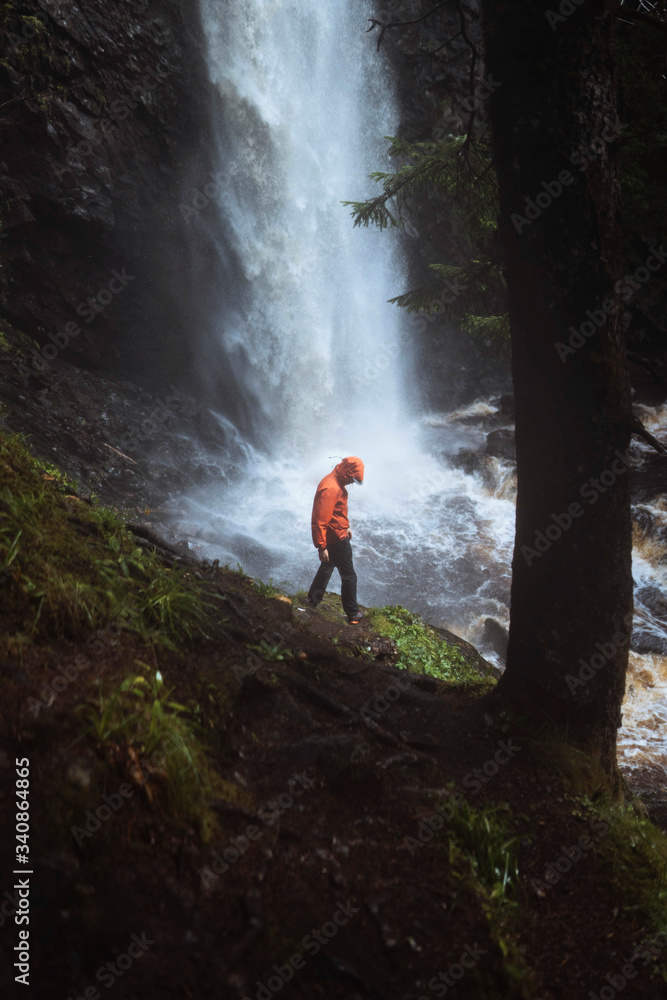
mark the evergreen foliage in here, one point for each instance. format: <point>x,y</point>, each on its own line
<point>456,173</point>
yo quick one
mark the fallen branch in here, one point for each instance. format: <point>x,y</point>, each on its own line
<point>637,427</point>
<point>383,25</point>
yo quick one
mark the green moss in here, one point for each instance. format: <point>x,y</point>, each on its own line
<point>420,648</point>
<point>632,854</point>
<point>71,567</point>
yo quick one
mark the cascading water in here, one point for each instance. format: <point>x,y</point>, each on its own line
<point>314,361</point>
<point>303,113</point>
<point>313,364</point>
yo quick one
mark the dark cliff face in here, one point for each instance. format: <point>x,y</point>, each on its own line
<point>104,122</point>
<point>442,88</point>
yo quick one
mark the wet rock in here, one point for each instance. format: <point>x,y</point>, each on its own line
<point>649,480</point>
<point>185,529</point>
<point>474,463</point>
<point>501,444</point>
<point>643,518</point>
<point>653,600</point>
<point>251,552</point>
<point>497,637</point>
<point>105,112</point>
<point>505,406</point>
<point>648,642</point>
<point>383,648</point>
<point>506,489</point>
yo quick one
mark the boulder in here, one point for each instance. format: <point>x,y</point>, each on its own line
<point>497,637</point>
<point>474,658</point>
<point>653,600</point>
<point>649,480</point>
<point>505,406</point>
<point>474,463</point>
<point>648,642</point>
<point>500,444</point>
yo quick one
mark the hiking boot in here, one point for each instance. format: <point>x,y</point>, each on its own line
<point>355,619</point>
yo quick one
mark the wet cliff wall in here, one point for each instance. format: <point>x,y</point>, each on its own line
<point>442,87</point>
<point>103,133</point>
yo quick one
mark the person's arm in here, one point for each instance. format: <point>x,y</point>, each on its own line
<point>323,508</point>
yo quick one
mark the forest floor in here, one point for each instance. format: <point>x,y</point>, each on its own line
<point>240,798</point>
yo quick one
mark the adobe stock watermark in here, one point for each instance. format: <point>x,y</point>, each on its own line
<point>31,26</point>
<point>566,9</point>
<point>625,287</point>
<point>418,321</point>
<point>554,870</point>
<point>552,190</point>
<point>199,200</point>
<point>605,652</point>
<point>268,815</point>
<point>88,310</point>
<point>591,491</point>
<point>473,781</point>
<point>375,707</point>
<point>106,129</point>
<point>94,820</point>
<point>442,981</point>
<point>435,481</point>
<point>8,907</point>
<point>648,950</point>
<point>108,973</point>
<point>131,440</point>
<point>312,943</point>
<point>473,102</point>
<point>252,661</point>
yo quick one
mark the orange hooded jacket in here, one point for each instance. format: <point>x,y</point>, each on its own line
<point>329,521</point>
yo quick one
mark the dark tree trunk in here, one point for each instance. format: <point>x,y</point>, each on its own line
<point>571,583</point>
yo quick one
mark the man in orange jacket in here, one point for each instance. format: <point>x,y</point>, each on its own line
<point>331,536</point>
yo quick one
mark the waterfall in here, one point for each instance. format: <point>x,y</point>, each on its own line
<point>304,103</point>
<point>309,360</point>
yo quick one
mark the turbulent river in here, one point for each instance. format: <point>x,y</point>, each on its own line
<point>319,365</point>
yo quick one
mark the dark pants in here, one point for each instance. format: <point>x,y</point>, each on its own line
<point>340,558</point>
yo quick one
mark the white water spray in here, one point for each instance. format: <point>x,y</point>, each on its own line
<point>305,101</point>
<point>321,360</point>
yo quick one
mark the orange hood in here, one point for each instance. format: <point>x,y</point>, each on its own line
<point>350,468</point>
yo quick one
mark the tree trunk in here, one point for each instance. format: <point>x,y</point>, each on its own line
<point>555,137</point>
